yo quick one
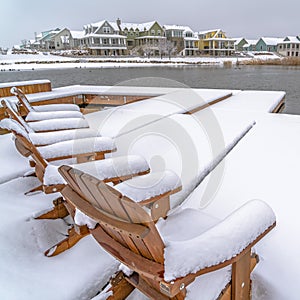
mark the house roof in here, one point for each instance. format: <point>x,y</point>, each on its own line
<point>178,27</point>
<point>238,40</point>
<point>208,31</point>
<point>138,26</point>
<point>291,39</point>
<point>77,34</point>
<point>271,41</point>
<point>101,23</point>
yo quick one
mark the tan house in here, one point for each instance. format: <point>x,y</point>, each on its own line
<point>183,38</point>
<point>215,43</point>
<point>104,38</point>
<point>142,38</point>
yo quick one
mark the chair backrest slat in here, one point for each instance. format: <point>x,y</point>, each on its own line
<point>22,98</point>
<point>99,195</point>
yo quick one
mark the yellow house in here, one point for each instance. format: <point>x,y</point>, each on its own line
<point>214,42</point>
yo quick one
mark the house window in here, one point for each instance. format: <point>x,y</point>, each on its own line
<point>288,53</point>
<point>158,32</point>
<point>297,53</point>
<point>297,46</point>
<point>137,33</point>
<point>114,41</point>
<point>152,32</point>
<point>106,29</point>
<point>96,41</point>
<point>105,41</point>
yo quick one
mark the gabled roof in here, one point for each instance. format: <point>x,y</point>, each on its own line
<point>178,27</point>
<point>251,42</point>
<point>291,39</point>
<point>137,26</point>
<point>99,24</point>
<point>238,40</point>
<point>208,31</point>
<point>77,34</point>
<point>271,41</point>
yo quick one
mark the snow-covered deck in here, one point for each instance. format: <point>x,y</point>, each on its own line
<point>232,152</point>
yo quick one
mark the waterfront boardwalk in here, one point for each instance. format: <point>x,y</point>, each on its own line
<point>227,146</point>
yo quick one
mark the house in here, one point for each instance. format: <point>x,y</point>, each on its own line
<point>250,46</point>
<point>183,39</point>
<point>143,38</point>
<point>104,38</point>
<point>267,44</point>
<point>240,43</point>
<point>45,40</point>
<point>215,42</point>
<point>290,46</point>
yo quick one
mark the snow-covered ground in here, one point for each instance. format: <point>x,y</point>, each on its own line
<point>261,162</point>
<point>41,61</point>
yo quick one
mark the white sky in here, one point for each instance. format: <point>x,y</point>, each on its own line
<point>252,19</point>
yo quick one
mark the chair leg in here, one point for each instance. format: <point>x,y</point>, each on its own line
<point>58,211</point>
<point>119,287</point>
<point>76,233</point>
<point>240,289</point>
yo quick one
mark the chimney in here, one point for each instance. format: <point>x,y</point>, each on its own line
<point>119,23</point>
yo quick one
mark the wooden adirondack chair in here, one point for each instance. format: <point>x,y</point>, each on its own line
<point>41,108</point>
<point>43,125</point>
<point>128,232</point>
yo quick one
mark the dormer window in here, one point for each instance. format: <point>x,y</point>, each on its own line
<point>106,29</point>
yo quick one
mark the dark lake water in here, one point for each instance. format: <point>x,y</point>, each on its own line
<point>244,77</point>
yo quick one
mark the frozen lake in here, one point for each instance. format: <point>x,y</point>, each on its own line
<point>244,77</point>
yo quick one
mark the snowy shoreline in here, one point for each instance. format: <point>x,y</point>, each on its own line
<point>22,62</point>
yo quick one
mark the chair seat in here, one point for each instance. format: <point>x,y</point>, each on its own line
<point>148,186</point>
<point>208,242</point>
<point>39,116</point>
<point>102,169</point>
<point>46,138</point>
<point>76,147</point>
<point>59,124</point>
<point>56,107</point>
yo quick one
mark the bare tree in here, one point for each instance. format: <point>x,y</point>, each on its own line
<point>148,49</point>
<point>162,43</point>
<point>170,48</point>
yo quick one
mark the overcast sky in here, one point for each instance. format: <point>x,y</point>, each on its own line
<point>20,19</point>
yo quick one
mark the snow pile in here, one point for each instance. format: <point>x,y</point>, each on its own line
<point>10,158</point>
<point>218,244</point>
<point>51,137</point>
<point>82,219</point>
<point>39,116</point>
<point>114,167</point>
<point>148,186</point>
<point>102,169</point>
<point>56,107</point>
<point>59,124</point>
<point>75,147</point>
<point>12,125</point>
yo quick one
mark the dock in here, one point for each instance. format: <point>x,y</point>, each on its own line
<point>227,146</point>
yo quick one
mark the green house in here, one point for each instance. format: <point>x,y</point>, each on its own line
<point>267,44</point>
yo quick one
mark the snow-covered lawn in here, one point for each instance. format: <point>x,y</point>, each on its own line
<point>41,61</point>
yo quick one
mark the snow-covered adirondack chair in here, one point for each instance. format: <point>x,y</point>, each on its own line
<point>79,150</point>
<point>43,125</point>
<point>46,112</point>
<point>167,259</point>
<point>89,154</point>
